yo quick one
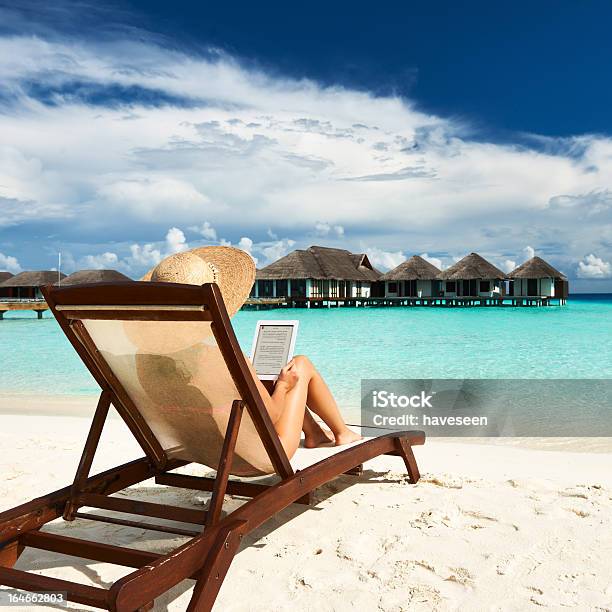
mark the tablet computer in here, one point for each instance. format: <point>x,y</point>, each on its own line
<point>273,346</point>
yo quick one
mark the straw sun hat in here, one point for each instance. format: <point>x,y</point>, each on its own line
<point>232,269</point>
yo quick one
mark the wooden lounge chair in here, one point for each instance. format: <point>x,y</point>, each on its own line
<point>165,355</point>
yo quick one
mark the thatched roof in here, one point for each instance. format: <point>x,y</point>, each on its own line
<point>365,267</point>
<point>415,268</point>
<point>5,276</point>
<point>535,267</point>
<point>472,266</point>
<point>94,276</point>
<point>33,279</point>
<point>321,263</point>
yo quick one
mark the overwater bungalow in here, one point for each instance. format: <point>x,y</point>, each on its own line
<point>537,278</point>
<point>317,274</point>
<point>472,276</point>
<point>415,277</point>
<point>26,285</point>
<point>83,277</point>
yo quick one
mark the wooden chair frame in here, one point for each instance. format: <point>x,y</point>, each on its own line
<point>207,555</point>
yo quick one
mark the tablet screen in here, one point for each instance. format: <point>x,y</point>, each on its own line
<point>273,347</point>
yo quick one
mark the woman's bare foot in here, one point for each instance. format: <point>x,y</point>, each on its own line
<point>346,437</point>
<point>318,438</point>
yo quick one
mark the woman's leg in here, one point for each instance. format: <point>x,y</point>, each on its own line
<point>287,411</point>
<point>320,400</point>
<point>314,434</point>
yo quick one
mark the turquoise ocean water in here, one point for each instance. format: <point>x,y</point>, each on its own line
<point>349,344</point>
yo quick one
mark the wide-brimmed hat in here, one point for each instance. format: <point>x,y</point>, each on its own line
<point>232,269</point>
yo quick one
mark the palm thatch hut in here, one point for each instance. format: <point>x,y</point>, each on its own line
<point>415,277</point>
<point>26,285</point>
<point>83,277</point>
<point>317,273</point>
<point>472,276</point>
<point>537,278</point>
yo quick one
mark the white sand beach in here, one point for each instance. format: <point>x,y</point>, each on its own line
<point>488,527</point>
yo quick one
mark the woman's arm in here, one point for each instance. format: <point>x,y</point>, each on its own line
<point>275,401</point>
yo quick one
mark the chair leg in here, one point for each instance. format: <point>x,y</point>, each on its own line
<point>82,473</point>
<point>218,562</point>
<point>404,450</point>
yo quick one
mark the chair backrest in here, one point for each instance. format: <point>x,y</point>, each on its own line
<point>169,357</point>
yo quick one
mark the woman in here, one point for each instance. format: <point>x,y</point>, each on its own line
<point>299,388</point>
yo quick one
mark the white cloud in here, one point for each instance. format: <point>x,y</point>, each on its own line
<point>324,229</point>
<point>103,261</point>
<point>508,265</point>
<point>528,252</point>
<point>270,250</point>
<point>246,244</point>
<point>147,198</point>
<point>435,261</point>
<point>594,267</point>
<point>245,149</point>
<point>141,257</point>
<point>585,204</point>
<point>276,250</point>
<point>206,230</point>
<point>144,256</point>
<point>385,260</point>
<point>9,264</point>
<point>175,241</point>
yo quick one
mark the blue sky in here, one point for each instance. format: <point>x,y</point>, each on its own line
<point>135,129</point>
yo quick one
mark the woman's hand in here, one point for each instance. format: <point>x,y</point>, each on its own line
<point>288,376</point>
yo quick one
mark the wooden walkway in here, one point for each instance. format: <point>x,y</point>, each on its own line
<point>38,306</point>
<point>374,302</point>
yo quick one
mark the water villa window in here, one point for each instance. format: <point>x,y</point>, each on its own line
<point>316,288</point>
